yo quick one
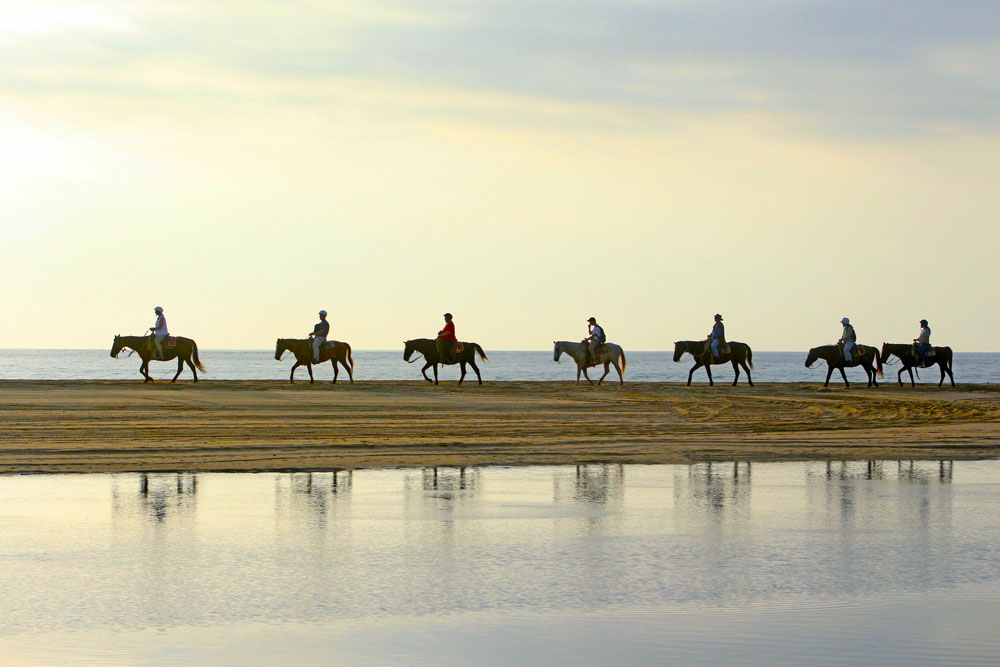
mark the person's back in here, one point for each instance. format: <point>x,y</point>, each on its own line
<point>923,342</point>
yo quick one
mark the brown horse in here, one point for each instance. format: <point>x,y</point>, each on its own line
<point>865,356</point>
<point>739,354</point>
<point>184,350</point>
<point>428,348</point>
<point>334,351</point>
<point>942,358</point>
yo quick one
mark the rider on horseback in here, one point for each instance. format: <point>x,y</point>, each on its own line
<point>848,338</point>
<point>319,334</point>
<point>160,332</point>
<point>594,340</point>
<point>718,335</point>
<point>923,343</point>
<point>446,340</point>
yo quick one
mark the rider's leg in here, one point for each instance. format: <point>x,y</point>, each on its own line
<point>158,344</point>
<point>592,351</point>
<point>317,347</point>
<point>715,348</point>
<point>847,350</point>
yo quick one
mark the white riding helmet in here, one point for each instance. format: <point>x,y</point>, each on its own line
<point>323,313</point>
<point>846,320</point>
<point>158,309</point>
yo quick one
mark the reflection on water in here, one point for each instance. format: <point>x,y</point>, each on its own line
<point>640,562</point>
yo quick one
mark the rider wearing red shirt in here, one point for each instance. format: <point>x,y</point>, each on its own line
<point>446,338</point>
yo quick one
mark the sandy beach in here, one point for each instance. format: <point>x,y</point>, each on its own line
<point>109,426</point>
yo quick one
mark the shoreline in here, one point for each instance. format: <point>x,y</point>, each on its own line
<point>270,425</point>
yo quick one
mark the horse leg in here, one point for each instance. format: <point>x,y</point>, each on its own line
<point>693,369</point>
<point>746,369</point>
<point>621,379</point>
<point>607,369</point>
<point>941,366</point>
<point>461,378</point>
<point>844,375</point>
<point>829,372</point>
<point>291,378</point>
<point>708,369</point>
<point>472,362</point>
<point>952,377</point>
<point>194,371</point>
<point>587,376</point>
<point>423,371</point>
<point>435,373</point>
<point>736,370</point>
<point>868,373</point>
<point>309,367</point>
<point>578,374</point>
<point>336,371</point>
<point>180,367</point>
<point>899,376</point>
<point>912,383</point>
<point>144,369</point>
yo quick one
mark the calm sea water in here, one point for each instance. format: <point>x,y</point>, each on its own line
<point>502,365</point>
<point>876,563</point>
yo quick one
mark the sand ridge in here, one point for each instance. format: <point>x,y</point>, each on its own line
<point>115,426</point>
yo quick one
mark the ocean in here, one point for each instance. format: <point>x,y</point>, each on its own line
<point>506,365</point>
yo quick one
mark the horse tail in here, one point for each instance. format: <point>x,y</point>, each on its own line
<point>621,355</point>
<point>878,362</point>
<point>479,351</point>
<point>750,357</point>
<point>194,357</point>
<point>350,359</point>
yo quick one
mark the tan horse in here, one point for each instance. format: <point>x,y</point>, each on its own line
<point>334,351</point>
<point>184,350</point>
<point>609,355</point>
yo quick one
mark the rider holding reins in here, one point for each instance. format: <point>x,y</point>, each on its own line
<point>446,339</point>
<point>923,343</point>
<point>319,334</point>
<point>594,339</point>
<point>848,338</point>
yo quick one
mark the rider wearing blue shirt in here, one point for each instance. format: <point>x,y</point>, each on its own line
<point>718,335</point>
<point>595,338</point>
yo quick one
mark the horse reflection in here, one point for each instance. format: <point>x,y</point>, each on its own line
<point>720,487</point>
<point>594,484</point>
<point>312,493</point>
<point>159,496</point>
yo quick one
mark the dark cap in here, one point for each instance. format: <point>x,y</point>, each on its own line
<point>448,315</point>
<point>593,319</point>
<point>924,322</point>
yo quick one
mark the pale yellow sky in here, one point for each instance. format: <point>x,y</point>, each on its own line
<point>244,166</point>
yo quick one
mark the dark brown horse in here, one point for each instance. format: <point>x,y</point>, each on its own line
<point>942,358</point>
<point>184,350</point>
<point>865,356</point>
<point>334,351</point>
<point>739,354</point>
<point>428,348</point>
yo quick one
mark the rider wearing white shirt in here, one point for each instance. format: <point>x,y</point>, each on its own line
<point>159,331</point>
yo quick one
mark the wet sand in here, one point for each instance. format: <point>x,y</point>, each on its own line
<point>117,426</point>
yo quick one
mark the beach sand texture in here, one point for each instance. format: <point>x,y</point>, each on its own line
<point>115,426</point>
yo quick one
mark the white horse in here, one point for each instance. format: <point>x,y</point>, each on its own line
<point>609,354</point>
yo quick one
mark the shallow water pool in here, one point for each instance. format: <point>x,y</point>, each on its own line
<point>781,563</point>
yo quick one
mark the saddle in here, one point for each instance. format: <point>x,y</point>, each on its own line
<point>724,348</point>
<point>856,352</point>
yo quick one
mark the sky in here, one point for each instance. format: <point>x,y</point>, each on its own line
<point>523,165</point>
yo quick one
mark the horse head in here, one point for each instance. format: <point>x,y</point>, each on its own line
<point>557,350</point>
<point>280,346</point>
<point>884,357</point>
<point>812,357</point>
<point>408,349</point>
<point>118,345</point>
<point>679,349</point>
